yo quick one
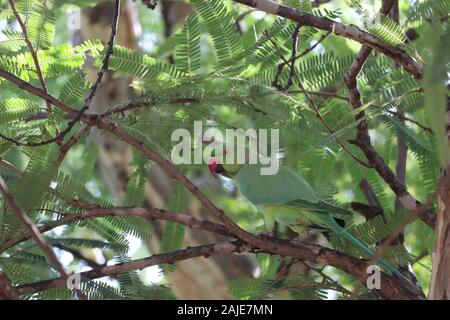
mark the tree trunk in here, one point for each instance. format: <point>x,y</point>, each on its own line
<point>440,277</point>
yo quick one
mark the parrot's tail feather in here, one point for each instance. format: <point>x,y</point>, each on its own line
<point>347,235</point>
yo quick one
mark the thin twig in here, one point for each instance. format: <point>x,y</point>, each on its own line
<point>33,52</point>
<point>403,117</point>
<point>308,50</point>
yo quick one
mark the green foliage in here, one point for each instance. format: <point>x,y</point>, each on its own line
<point>74,89</point>
<point>188,46</point>
<point>173,233</point>
<point>427,10</point>
<point>222,28</point>
<point>418,147</point>
<point>225,64</point>
<point>40,21</point>
<point>130,62</point>
<point>262,288</point>
<point>372,232</point>
<point>15,109</point>
<point>436,92</point>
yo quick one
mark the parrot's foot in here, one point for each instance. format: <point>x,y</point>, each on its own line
<point>265,234</point>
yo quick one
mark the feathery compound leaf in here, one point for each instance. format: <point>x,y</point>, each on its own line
<point>112,229</point>
<point>16,109</point>
<point>25,9</point>
<point>30,189</point>
<point>138,64</point>
<point>245,288</point>
<point>14,40</point>
<point>263,52</point>
<point>136,185</point>
<point>388,30</point>
<point>322,70</point>
<point>64,58</point>
<point>429,168</point>
<point>222,28</point>
<point>138,227</point>
<point>173,233</point>
<point>35,181</point>
<point>89,243</point>
<point>372,232</point>
<point>54,62</point>
<point>301,287</point>
<point>418,146</point>
<point>188,46</point>
<point>431,10</point>
<point>74,89</point>
<point>41,23</point>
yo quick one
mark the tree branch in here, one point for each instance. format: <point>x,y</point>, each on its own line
<point>139,264</point>
<point>151,214</point>
<point>364,143</point>
<point>348,31</point>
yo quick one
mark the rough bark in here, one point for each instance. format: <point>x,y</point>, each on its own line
<point>7,291</point>
<point>440,277</point>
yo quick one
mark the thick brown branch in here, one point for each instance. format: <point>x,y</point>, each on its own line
<point>363,141</point>
<point>151,214</point>
<point>313,253</point>
<point>348,31</point>
<point>171,257</point>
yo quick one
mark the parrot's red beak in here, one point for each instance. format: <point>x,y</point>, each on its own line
<point>213,163</point>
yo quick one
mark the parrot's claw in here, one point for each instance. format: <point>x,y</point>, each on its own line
<point>265,234</point>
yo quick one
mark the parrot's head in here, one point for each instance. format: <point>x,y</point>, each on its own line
<point>217,164</point>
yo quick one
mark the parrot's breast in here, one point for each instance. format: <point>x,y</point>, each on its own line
<point>283,187</point>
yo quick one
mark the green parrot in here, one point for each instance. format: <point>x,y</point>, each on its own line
<point>287,198</point>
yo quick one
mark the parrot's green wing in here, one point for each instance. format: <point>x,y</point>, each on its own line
<point>283,187</point>
<point>320,206</point>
